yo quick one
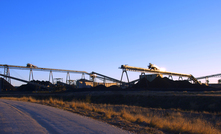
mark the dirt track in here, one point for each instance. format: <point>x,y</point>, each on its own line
<point>25,117</point>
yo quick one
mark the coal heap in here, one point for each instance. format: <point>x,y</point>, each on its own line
<point>114,87</point>
<point>45,83</point>
<point>6,86</point>
<point>28,87</point>
<point>100,87</point>
<point>31,87</point>
<point>159,82</point>
<point>143,83</point>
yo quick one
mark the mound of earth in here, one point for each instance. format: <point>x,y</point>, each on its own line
<point>6,86</point>
<point>100,87</point>
<point>45,83</point>
<point>159,82</point>
<point>28,87</point>
<point>114,88</point>
<point>165,82</point>
<point>31,87</point>
<point>143,83</point>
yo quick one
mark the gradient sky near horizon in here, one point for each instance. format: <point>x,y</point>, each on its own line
<point>182,36</point>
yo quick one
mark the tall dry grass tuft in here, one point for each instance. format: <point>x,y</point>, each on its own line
<point>124,114</point>
<point>73,105</point>
<point>83,105</point>
<point>51,100</point>
<point>31,99</point>
<point>184,125</point>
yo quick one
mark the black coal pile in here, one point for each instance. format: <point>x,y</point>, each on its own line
<point>114,88</point>
<point>6,86</point>
<point>29,87</point>
<point>99,87</point>
<point>143,83</point>
<point>45,83</point>
<point>33,87</point>
<point>165,83</point>
<point>159,82</point>
<point>187,84</point>
<point>66,86</point>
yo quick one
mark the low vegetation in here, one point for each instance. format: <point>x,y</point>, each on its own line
<point>138,119</point>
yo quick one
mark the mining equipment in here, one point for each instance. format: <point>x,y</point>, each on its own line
<point>153,67</point>
<point>31,65</point>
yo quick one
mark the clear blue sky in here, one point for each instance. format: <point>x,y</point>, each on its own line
<point>100,35</point>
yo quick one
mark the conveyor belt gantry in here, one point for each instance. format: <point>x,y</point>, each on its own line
<point>208,76</point>
<point>7,72</point>
<point>146,70</point>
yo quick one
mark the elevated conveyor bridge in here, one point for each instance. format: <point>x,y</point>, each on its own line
<point>104,77</point>
<point>31,77</point>
<point>126,68</point>
<point>25,81</point>
<point>208,76</point>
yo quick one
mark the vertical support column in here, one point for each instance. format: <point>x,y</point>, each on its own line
<point>190,80</point>
<point>7,73</point>
<point>93,79</point>
<point>142,74</point>
<point>104,81</point>
<point>68,78</point>
<point>170,77</point>
<point>82,76</point>
<point>51,76</point>
<point>207,80</point>
<point>31,76</point>
<point>124,70</point>
<point>180,78</point>
<point>127,77</point>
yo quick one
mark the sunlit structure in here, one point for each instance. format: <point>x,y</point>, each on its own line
<point>208,76</point>
<point>33,67</point>
<point>126,68</point>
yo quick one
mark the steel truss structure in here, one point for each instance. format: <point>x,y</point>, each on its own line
<point>126,68</point>
<point>31,76</point>
<point>208,76</point>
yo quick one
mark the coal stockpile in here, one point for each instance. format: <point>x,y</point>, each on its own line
<point>29,87</point>
<point>46,86</point>
<point>142,83</point>
<point>99,87</point>
<point>114,88</point>
<point>6,86</point>
<point>45,83</point>
<point>159,82</point>
<point>103,88</point>
<point>167,84</point>
<point>32,87</point>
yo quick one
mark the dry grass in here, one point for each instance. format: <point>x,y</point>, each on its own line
<point>173,122</point>
<point>184,125</point>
